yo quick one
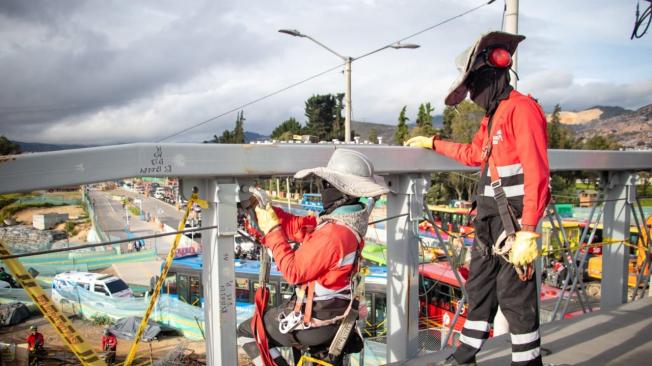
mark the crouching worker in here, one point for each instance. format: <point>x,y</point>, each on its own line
<point>323,265</point>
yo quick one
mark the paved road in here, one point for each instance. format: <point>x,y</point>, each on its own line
<point>112,219</point>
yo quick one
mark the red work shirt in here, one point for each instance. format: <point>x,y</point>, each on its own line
<point>111,341</point>
<point>519,149</point>
<point>325,256</point>
<point>34,338</point>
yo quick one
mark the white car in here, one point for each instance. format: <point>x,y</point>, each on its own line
<point>99,283</point>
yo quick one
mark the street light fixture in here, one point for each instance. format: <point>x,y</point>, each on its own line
<point>347,72</point>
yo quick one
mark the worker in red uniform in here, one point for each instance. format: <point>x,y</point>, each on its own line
<point>109,346</point>
<point>324,262</point>
<point>35,343</point>
<point>512,194</point>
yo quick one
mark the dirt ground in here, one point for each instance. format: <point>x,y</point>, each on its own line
<point>25,216</point>
<point>93,334</point>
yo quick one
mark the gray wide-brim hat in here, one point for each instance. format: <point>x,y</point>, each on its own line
<point>466,60</point>
<point>350,172</point>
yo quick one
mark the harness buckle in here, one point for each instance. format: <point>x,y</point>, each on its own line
<point>496,184</point>
<point>287,323</point>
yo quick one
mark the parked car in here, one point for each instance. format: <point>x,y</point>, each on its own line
<point>100,283</point>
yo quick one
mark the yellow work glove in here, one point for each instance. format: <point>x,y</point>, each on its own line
<point>420,141</point>
<point>267,219</point>
<point>524,248</point>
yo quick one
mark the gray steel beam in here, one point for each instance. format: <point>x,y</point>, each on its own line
<point>615,257</point>
<point>402,265</point>
<point>28,172</point>
<point>218,271</point>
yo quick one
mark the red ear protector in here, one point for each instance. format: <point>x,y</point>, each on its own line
<point>499,58</point>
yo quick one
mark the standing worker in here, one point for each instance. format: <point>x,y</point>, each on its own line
<point>324,263</point>
<point>35,344</point>
<point>512,194</point>
<point>109,346</point>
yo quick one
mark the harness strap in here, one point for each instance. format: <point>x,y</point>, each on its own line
<point>307,316</point>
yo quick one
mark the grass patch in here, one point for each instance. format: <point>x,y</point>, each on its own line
<point>134,211</point>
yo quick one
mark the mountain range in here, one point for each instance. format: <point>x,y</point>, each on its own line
<point>631,128</point>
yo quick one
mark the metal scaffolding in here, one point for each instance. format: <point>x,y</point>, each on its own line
<point>218,170</point>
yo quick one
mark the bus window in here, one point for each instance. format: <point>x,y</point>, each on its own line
<point>380,311</point>
<point>272,292</point>
<point>170,284</point>
<point>182,287</point>
<point>287,291</point>
<point>195,291</point>
<point>242,290</point>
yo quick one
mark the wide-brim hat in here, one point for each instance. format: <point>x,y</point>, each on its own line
<point>350,172</point>
<point>466,60</point>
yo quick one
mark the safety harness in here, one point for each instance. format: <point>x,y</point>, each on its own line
<point>503,244</point>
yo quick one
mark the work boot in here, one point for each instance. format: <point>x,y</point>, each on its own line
<point>451,361</point>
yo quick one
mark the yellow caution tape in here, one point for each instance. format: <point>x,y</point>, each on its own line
<point>59,322</point>
<point>164,271</point>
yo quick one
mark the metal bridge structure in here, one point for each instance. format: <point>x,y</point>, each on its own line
<point>218,171</point>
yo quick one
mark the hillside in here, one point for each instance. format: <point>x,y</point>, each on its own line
<point>632,129</point>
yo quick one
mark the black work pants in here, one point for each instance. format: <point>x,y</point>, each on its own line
<point>317,337</point>
<point>493,281</point>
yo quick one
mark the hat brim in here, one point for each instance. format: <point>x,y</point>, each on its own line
<point>508,41</point>
<point>352,185</point>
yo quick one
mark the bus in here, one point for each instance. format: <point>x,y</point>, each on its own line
<point>439,292</point>
<point>312,202</point>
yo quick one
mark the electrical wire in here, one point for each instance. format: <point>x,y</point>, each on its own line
<point>250,103</point>
<point>640,19</point>
<point>321,73</point>
<point>425,30</point>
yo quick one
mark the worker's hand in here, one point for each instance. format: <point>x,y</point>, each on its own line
<point>524,248</point>
<point>267,219</point>
<point>420,141</point>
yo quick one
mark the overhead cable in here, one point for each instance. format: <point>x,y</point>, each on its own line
<point>322,73</point>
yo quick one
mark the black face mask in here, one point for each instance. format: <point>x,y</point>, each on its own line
<point>332,198</point>
<point>488,86</point>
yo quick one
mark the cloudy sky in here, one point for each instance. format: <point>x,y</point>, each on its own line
<point>97,72</point>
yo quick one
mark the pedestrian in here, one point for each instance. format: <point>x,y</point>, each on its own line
<point>325,261</point>
<point>511,197</point>
<point>109,346</point>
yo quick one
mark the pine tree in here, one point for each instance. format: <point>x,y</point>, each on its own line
<point>287,129</point>
<point>373,136</point>
<point>402,132</point>
<point>238,132</point>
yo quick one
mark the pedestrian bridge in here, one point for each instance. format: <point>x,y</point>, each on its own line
<point>217,171</point>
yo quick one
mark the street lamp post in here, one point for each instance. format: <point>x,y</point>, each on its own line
<point>347,73</point>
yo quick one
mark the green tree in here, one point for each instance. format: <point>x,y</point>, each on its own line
<point>337,132</point>
<point>559,136</point>
<point>466,123</point>
<point>231,137</point>
<point>373,136</point>
<point>287,129</point>
<point>599,142</point>
<point>8,147</point>
<point>402,132</point>
<point>321,111</point>
<point>449,114</point>
<point>424,119</point>
<point>238,132</point>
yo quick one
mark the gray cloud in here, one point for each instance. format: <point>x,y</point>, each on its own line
<point>102,72</point>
